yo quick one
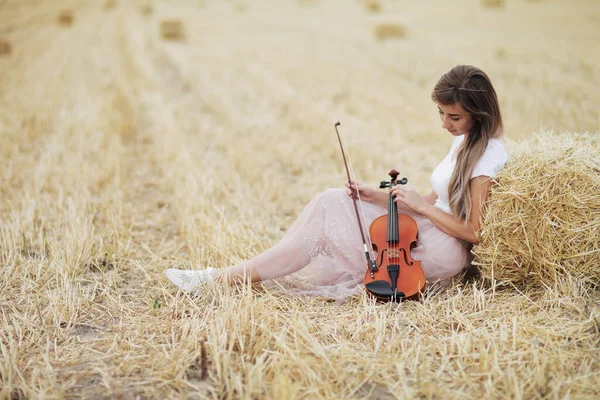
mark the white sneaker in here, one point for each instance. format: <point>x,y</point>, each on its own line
<point>188,279</point>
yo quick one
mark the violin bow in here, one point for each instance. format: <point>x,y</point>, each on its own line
<point>371,263</point>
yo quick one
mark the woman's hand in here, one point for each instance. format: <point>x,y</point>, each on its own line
<point>366,193</point>
<point>410,198</point>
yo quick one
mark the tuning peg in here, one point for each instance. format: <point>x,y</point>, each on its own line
<point>384,184</point>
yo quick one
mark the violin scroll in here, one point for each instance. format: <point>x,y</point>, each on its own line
<point>394,175</point>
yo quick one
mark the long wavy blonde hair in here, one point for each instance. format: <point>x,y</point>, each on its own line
<point>472,89</point>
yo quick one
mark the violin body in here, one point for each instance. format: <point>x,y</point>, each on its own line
<point>394,275</point>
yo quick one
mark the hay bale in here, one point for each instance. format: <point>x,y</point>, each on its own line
<point>172,29</point>
<point>110,4</point>
<point>5,47</point>
<point>389,31</point>
<point>146,9</point>
<point>373,6</point>
<point>501,53</point>
<point>65,18</point>
<point>492,3</point>
<point>543,218</point>
<point>241,7</point>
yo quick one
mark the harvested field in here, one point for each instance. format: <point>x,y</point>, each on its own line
<point>129,154</point>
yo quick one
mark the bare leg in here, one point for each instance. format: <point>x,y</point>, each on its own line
<point>286,257</point>
<point>324,236</point>
<point>309,236</point>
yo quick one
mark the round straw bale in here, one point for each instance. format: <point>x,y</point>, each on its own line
<point>492,3</point>
<point>5,47</point>
<point>373,6</point>
<point>543,217</point>
<point>65,18</point>
<point>241,7</point>
<point>389,31</point>
<point>146,9</point>
<point>110,4</point>
<point>172,29</point>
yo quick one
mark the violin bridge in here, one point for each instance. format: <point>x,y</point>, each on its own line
<point>393,253</point>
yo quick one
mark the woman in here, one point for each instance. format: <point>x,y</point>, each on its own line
<point>323,248</point>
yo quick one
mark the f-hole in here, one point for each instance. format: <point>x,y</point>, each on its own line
<point>375,248</point>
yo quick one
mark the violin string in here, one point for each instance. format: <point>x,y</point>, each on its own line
<point>395,229</point>
<point>360,204</point>
<point>391,227</point>
<point>393,220</point>
<point>390,222</point>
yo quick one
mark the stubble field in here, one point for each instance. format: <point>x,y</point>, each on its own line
<point>124,154</point>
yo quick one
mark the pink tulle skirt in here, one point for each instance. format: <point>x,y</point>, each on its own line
<point>322,252</point>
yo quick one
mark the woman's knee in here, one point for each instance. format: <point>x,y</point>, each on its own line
<point>335,193</point>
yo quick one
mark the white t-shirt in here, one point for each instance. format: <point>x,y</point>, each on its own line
<point>490,163</point>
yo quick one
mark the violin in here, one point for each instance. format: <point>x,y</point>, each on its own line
<point>393,275</point>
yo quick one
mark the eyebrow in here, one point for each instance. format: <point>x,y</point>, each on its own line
<point>452,115</point>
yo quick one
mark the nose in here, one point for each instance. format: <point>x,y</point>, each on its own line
<point>446,122</point>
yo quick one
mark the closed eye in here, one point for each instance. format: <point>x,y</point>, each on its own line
<point>452,118</point>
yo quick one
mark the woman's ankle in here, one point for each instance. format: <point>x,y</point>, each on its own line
<point>237,278</point>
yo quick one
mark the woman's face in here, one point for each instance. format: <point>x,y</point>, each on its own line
<point>455,119</point>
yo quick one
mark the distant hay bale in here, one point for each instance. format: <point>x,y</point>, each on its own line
<point>373,6</point>
<point>492,3</point>
<point>241,7</point>
<point>389,31</point>
<point>501,53</point>
<point>5,47</point>
<point>65,18</point>
<point>146,9</point>
<point>172,29</point>
<point>110,4</point>
<point>543,217</point>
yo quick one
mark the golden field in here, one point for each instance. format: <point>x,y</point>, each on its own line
<point>130,145</point>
